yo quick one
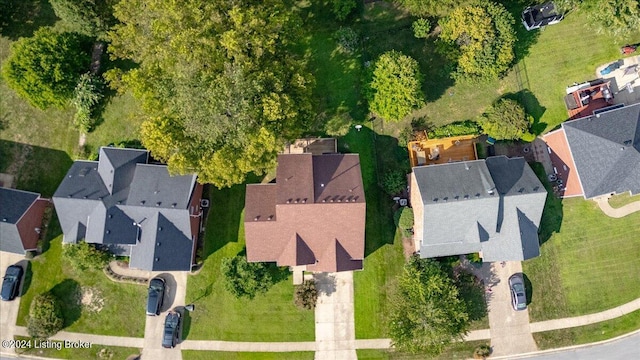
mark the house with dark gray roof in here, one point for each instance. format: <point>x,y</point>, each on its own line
<point>492,207</point>
<point>134,208</point>
<point>20,220</point>
<point>312,217</point>
<point>599,154</point>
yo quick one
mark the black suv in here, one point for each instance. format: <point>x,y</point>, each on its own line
<point>11,283</point>
<point>156,295</point>
<point>171,326</point>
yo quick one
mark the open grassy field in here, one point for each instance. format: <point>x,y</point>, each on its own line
<point>219,315</point>
<point>115,304</point>
<point>588,261</point>
<point>224,355</point>
<point>589,333</point>
<point>95,352</point>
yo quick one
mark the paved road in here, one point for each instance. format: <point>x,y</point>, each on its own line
<point>335,325</point>
<point>623,349</point>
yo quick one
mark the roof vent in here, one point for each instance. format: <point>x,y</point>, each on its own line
<point>4,219</point>
<point>157,259</point>
<point>70,175</point>
<point>456,197</point>
<point>158,243</point>
<point>622,148</point>
<point>110,216</point>
<point>69,196</point>
<point>355,198</point>
<point>159,228</point>
<point>100,198</point>
<point>296,200</point>
<point>321,185</point>
<point>324,200</point>
<point>174,205</point>
<point>256,218</point>
<point>466,197</point>
<point>521,190</point>
<point>435,199</point>
<point>445,199</point>
<point>270,218</point>
<point>628,142</point>
<point>304,201</point>
<point>477,195</point>
<point>288,201</point>
<point>536,188</point>
<point>84,197</point>
<point>330,200</point>
<point>156,191</point>
<point>490,191</point>
<point>158,203</point>
<point>119,202</point>
<point>108,231</point>
<point>142,202</point>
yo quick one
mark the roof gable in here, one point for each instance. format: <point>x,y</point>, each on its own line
<point>116,166</point>
<point>606,150</point>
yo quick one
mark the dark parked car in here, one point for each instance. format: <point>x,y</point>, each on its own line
<point>537,16</point>
<point>518,294</point>
<point>156,295</point>
<point>11,283</point>
<point>171,326</point>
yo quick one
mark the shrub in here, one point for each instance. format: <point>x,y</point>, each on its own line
<point>342,8</point>
<point>421,28</point>
<point>459,128</point>
<point>394,182</point>
<point>505,120</point>
<point>347,40</point>
<point>245,279</point>
<point>306,295</point>
<point>482,351</point>
<point>474,258</point>
<point>83,256</point>
<point>396,87</point>
<point>339,124</point>
<point>403,218</point>
<point>406,135</point>
<point>87,96</point>
<point>45,316</point>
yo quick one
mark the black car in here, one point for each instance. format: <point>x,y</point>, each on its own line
<point>156,295</point>
<point>537,16</point>
<point>11,282</point>
<point>171,326</point>
<point>518,295</point>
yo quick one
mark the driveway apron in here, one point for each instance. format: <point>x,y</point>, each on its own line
<point>9,309</point>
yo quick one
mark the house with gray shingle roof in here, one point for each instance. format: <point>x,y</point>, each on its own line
<point>134,208</point>
<point>20,220</point>
<point>491,206</point>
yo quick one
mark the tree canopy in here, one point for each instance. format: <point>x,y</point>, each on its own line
<point>44,69</point>
<point>87,17</point>
<point>45,316</point>
<point>505,120</point>
<point>396,87</point>
<point>428,7</point>
<point>245,279</point>
<point>218,81</point>
<point>426,310</point>
<point>616,17</point>
<point>480,36</point>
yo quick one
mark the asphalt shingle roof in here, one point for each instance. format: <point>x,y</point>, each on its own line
<point>13,205</point>
<point>144,207</point>
<point>483,205</point>
<point>606,151</point>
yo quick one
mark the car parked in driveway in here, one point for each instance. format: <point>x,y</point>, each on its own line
<point>11,282</point>
<point>171,326</point>
<point>518,293</point>
<point>156,295</point>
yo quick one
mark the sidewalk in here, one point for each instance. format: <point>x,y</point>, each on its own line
<point>603,203</point>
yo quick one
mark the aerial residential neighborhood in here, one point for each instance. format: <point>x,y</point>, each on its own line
<point>336,179</point>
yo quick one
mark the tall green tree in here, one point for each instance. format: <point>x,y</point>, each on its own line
<point>245,279</point>
<point>220,75</point>
<point>480,37</point>
<point>88,17</point>
<point>505,120</point>
<point>44,69</point>
<point>395,89</point>
<point>616,17</point>
<point>426,310</point>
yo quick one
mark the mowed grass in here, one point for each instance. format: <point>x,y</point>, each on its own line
<point>219,315</point>
<point>223,355</point>
<point>588,333</point>
<point>588,261</point>
<point>459,350</point>
<point>621,200</point>
<point>95,352</point>
<point>122,305</point>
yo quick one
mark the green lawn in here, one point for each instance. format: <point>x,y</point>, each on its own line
<point>588,261</point>
<point>223,355</point>
<point>121,303</point>
<point>589,333</point>
<point>460,350</point>
<point>621,200</point>
<point>95,352</point>
<point>219,315</point>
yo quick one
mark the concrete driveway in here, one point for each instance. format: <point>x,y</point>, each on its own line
<point>510,331</point>
<point>9,309</point>
<point>174,298</point>
<point>334,317</point>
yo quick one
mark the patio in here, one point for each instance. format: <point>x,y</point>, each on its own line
<point>442,151</point>
<point>625,80</point>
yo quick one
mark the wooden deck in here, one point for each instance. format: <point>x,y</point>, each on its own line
<point>316,146</point>
<point>442,151</point>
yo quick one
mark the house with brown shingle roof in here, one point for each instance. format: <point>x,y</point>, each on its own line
<point>312,217</point>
